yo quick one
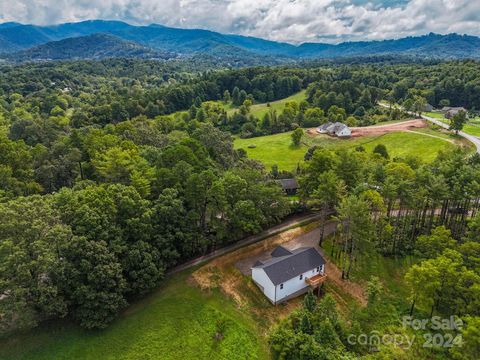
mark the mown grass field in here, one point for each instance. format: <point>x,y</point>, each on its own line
<point>178,321</point>
<point>259,110</point>
<point>277,149</point>
<point>472,127</point>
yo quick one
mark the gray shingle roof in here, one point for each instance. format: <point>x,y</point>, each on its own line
<point>283,268</point>
<point>337,127</point>
<point>452,108</point>
<point>288,184</point>
<point>325,126</point>
<point>280,251</point>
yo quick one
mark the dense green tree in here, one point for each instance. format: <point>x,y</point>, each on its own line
<point>356,227</point>
<point>381,150</point>
<point>374,287</point>
<point>469,348</point>
<point>309,301</point>
<point>226,96</point>
<point>31,238</point>
<point>432,245</point>
<point>458,121</point>
<point>444,102</point>
<point>321,161</point>
<point>328,194</point>
<point>419,104</point>
<point>94,282</point>
<point>297,135</point>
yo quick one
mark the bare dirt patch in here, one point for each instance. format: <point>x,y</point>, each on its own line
<point>383,129</point>
<point>351,288</point>
<point>223,274</point>
<point>310,239</point>
<point>230,274</point>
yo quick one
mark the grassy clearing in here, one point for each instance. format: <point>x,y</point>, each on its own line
<point>179,321</point>
<point>472,127</point>
<point>273,149</point>
<point>259,110</point>
<point>435,115</point>
<point>441,133</point>
<point>278,149</point>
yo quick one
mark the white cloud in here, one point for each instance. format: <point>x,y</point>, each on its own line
<point>283,20</point>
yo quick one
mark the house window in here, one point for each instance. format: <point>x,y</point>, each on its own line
<point>318,269</point>
<point>281,286</point>
<point>301,277</point>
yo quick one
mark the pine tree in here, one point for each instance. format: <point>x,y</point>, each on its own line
<point>309,301</point>
<point>306,325</point>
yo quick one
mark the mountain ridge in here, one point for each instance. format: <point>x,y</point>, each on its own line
<point>94,46</point>
<point>16,38</point>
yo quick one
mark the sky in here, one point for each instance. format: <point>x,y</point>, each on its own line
<point>294,21</point>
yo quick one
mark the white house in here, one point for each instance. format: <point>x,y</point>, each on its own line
<point>289,273</point>
<point>322,129</point>
<point>450,112</point>
<point>335,129</point>
<point>339,129</point>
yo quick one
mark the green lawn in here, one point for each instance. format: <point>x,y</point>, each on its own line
<point>274,149</point>
<point>435,115</point>
<point>259,110</point>
<point>278,149</point>
<point>472,127</point>
<point>179,321</point>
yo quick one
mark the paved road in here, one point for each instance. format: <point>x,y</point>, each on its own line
<point>475,140</point>
<point>288,224</point>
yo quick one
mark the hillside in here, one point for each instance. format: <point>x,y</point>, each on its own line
<point>96,46</point>
<point>15,37</point>
<point>19,36</point>
<point>259,110</point>
<point>431,45</point>
<point>145,330</point>
<point>277,149</point>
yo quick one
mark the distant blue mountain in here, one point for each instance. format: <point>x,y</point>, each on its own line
<point>95,46</point>
<point>9,24</point>
<point>431,45</point>
<point>15,37</point>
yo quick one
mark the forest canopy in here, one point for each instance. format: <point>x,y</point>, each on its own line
<point>114,171</point>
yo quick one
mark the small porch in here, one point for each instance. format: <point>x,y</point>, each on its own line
<point>316,280</point>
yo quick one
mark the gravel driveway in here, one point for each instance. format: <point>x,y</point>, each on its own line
<point>308,239</point>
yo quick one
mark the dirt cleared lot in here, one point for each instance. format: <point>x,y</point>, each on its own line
<point>308,239</point>
<point>384,129</point>
<point>231,273</point>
